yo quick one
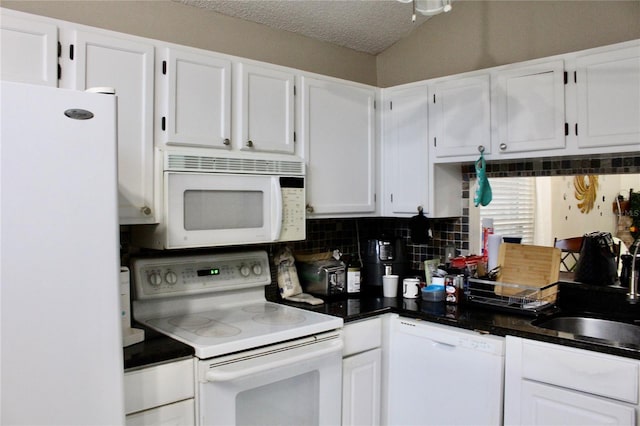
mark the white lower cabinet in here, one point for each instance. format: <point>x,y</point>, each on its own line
<point>549,405</point>
<point>361,372</point>
<point>160,394</point>
<point>176,414</point>
<point>547,384</point>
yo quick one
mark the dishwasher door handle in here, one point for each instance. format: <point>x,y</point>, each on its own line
<point>443,345</point>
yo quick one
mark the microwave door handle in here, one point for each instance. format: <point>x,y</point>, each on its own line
<point>276,205</point>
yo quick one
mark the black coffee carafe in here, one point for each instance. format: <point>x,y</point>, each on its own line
<point>381,255</point>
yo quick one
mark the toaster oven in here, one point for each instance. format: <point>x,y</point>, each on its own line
<point>323,277</point>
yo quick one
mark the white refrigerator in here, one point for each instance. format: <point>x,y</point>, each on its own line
<point>60,342</point>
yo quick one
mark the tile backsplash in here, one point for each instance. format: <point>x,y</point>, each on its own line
<point>342,234</point>
<point>345,234</point>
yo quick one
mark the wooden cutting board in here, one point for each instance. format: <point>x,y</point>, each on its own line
<point>530,265</point>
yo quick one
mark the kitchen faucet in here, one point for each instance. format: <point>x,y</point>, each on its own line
<point>632,296</point>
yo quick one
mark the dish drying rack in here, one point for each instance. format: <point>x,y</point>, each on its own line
<point>512,297</point>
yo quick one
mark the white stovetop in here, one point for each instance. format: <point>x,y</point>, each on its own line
<point>221,331</point>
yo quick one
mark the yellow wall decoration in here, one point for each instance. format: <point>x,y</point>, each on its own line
<point>586,187</point>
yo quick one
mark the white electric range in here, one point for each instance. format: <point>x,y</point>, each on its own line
<point>252,352</point>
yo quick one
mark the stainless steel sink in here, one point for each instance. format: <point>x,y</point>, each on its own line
<point>612,331</point>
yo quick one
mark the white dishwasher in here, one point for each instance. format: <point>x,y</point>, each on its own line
<point>441,375</point>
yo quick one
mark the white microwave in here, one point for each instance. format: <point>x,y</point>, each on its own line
<point>220,200</point>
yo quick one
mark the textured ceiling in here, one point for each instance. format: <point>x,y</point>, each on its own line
<point>364,25</point>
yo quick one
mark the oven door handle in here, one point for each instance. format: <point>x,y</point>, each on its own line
<point>235,371</point>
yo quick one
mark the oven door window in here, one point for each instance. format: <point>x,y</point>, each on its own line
<point>220,209</point>
<point>298,386</point>
<point>298,402</point>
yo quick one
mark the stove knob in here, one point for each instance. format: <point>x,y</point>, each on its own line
<point>257,269</point>
<point>244,270</point>
<point>171,278</point>
<point>155,279</point>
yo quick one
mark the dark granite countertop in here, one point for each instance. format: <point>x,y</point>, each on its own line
<point>156,348</point>
<point>572,301</point>
<point>574,298</point>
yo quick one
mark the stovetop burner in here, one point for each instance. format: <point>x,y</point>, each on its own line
<point>203,326</point>
<point>279,318</point>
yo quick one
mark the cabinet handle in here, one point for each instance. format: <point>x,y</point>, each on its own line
<point>481,148</point>
<point>309,208</point>
<point>145,210</point>
<point>503,147</point>
<point>250,144</point>
<point>226,142</point>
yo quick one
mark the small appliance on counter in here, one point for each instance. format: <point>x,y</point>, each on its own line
<point>379,255</point>
<point>323,277</point>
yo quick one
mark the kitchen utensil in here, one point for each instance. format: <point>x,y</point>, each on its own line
<point>381,253</point>
<point>419,227</point>
<point>410,288</point>
<point>390,285</point>
<point>483,191</point>
<point>597,261</point>
<point>433,293</point>
<point>528,265</point>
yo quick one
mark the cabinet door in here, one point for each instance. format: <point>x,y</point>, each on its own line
<point>530,108</point>
<point>361,378</point>
<point>197,101</point>
<point>406,150</point>
<point>546,405</point>
<point>608,91</point>
<point>264,105</point>
<point>461,112</point>
<point>337,124</point>
<point>177,414</point>
<point>29,51</point>
<point>126,65</point>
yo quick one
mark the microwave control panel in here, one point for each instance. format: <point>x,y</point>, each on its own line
<point>293,209</point>
<point>184,275</point>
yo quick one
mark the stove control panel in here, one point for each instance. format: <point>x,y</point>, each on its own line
<point>184,275</point>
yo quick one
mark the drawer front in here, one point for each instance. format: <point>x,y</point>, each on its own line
<point>598,374</point>
<point>178,414</point>
<point>361,336</point>
<point>548,405</point>
<point>158,385</point>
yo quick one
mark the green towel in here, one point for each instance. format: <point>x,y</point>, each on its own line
<point>483,192</point>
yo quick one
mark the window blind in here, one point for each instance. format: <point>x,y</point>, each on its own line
<point>512,207</point>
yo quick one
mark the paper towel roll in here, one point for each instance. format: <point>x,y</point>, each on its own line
<point>493,248</point>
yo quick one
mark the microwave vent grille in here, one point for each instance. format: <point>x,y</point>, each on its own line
<point>180,162</point>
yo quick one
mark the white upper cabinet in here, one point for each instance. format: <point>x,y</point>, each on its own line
<point>127,65</point>
<point>28,51</point>
<point>529,108</point>
<point>405,148</point>
<point>460,114</point>
<point>264,109</point>
<point>195,99</point>
<point>338,132</point>
<point>608,98</point>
